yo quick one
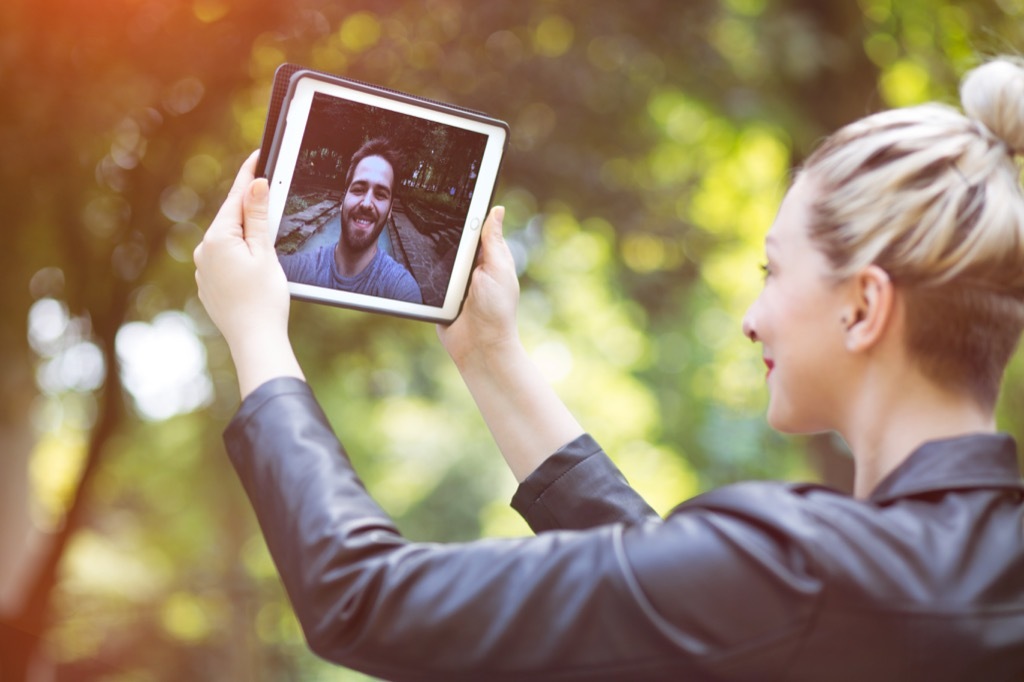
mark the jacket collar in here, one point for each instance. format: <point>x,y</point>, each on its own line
<point>986,460</point>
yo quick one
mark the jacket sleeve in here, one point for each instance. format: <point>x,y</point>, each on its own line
<point>579,487</point>
<point>565,605</point>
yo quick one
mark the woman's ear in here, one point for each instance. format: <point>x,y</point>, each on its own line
<point>870,311</point>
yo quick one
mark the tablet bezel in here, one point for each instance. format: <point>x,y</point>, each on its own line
<point>283,157</point>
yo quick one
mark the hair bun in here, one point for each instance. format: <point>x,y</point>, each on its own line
<point>993,94</point>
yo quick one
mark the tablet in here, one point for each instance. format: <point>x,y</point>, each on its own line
<point>377,197</point>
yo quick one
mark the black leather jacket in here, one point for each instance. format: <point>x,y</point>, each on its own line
<point>756,581</point>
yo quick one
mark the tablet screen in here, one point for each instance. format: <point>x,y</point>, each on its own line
<point>378,197</point>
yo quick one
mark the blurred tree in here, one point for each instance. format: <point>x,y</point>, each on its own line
<point>114,101</point>
<point>651,143</point>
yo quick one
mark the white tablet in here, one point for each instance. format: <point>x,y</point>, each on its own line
<point>377,197</point>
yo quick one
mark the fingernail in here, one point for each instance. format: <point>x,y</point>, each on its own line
<point>258,189</point>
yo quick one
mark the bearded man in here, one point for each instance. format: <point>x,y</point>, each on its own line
<point>355,263</point>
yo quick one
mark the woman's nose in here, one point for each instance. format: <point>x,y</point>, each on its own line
<point>748,324</point>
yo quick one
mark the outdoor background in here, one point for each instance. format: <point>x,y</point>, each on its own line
<point>651,143</point>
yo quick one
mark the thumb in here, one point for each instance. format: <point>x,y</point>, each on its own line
<point>494,222</point>
<point>254,214</point>
<point>498,249</point>
<point>494,245</point>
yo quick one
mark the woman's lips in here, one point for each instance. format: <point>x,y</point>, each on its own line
<point>770,364</point>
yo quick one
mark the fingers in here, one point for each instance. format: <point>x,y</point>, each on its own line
<point>232,206</point>
<point>229,217</point>
<point>245,175</point>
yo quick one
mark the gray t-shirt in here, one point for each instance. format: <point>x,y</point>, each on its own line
<point>382,277</point>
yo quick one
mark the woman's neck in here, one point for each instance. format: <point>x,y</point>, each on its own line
<point>888,423</point>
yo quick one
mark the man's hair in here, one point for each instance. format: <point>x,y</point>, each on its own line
<point>378,146</point>
<point>933,197</point>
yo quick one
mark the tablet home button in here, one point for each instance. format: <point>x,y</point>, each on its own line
<point>474,223</point>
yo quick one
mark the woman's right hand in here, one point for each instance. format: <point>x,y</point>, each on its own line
<point>487,323</point>
<point>525,416</point>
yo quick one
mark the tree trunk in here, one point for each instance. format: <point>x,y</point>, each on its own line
<point>17,537</point>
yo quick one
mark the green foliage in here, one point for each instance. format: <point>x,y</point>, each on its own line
<point>651,143</point>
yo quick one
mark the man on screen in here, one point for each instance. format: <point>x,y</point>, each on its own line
<point>355,263</point>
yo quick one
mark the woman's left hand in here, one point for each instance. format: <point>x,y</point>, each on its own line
<point>242,285</point>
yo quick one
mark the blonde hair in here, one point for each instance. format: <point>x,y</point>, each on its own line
<point>933,197</point>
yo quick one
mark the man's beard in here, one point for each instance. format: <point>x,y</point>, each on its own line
<point>354,242</point>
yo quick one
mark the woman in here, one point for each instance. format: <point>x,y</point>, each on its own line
<point>892,303</point>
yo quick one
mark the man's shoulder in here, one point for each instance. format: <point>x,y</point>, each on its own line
<point>396,279</point>
<point>309,266</point>
<point>386,262</point>
<point>304,255</point>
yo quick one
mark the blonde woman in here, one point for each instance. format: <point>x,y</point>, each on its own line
<point>893,299</point>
